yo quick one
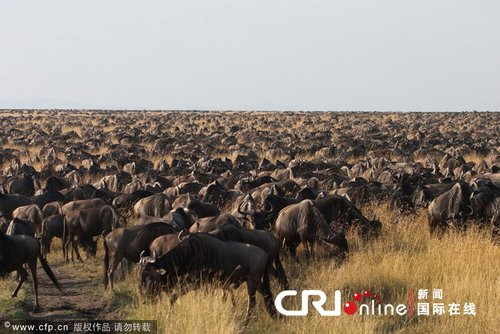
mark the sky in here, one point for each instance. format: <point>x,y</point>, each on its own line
<point>392,55</point>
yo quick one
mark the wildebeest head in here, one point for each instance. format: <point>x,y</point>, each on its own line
<point>373,229</point>
<point>149,276</point>
<point>111,217</point>
<point>258,219</point>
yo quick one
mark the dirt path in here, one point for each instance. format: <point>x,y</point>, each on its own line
<point>83,299</point>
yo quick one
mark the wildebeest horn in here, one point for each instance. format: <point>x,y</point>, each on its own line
<point>244,213</point>
<point>142,258</point>
<point>471,210</point>
<point>180,237</point>
<point>146,259</point>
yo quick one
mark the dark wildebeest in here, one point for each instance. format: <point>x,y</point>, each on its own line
<point>156,205</point>
<point>128,242</point>
<point>82,204</point>
<point>16,250</point>
<point>246,184</point>
<point>273,205</point>
<point>24,186</point>
<point>50,196</point>
<point>21,227</point>
<point>214,193</point>
<point>202,258</point>
<point>53,226</point>
<point>127,201</point>
<point>29,212</point>
<point>495,227</point>
<point>339,212</point>
<point>424,194</point>
<point>452,206</point>
<point>88,223</point>
<point>485,201</point>
<point>202,210</point>
<point>8,203</point>
<point>208,224</point>
<point>52,209</point>
<point>258,219</point>
<point>259,238</point>
<point>304,223</point>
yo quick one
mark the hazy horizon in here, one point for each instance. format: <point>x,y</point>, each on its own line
<point>388,55</point>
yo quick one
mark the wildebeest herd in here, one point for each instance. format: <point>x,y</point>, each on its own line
<point>197,197</point>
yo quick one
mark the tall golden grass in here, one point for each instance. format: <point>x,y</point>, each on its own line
<point>464,265</point>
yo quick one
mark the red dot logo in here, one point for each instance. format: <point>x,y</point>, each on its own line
<point>350,307</point>
<point>367,293</point>
<point>357,296</point>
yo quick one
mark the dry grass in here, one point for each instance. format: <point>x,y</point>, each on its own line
<point>404,257</point>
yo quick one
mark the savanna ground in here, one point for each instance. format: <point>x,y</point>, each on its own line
<point>465,266</point>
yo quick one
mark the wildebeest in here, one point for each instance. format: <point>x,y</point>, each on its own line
<point>304,223</point>
<point>10,202</point>
<point>208,224</point>
<point>21,227</point>
<point>202,258</point>
<point>128,242</point>
<point>16,250</point>
<point>202,210</point>
<point>82,204</point>
<point>452,206</point>
<point>155,205</point>
<point>495,227</point>
<point>87,223</point>
<point>424,194</point>
<point>259,238</point>
<point>53,226</point>
<point>51,209</point>
<point>24,186</point>
<point>340,213</point>
<point>214,193</point>
<point>259,220</point>
<point>29,212</point>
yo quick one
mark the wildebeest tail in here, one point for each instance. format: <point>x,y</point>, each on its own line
<point>64,237</point>
<point>106,261</point>
<point>49,272</point>
<point>280,273</point>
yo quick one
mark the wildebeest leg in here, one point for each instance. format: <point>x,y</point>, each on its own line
<point>305,243</point>
<point>74,245</point>
<point>292,248</point>
<point>252,286</point>
<point>113,263</point>
<point>22,277</point>
<point>66,247</point>
<point>32,265</point>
